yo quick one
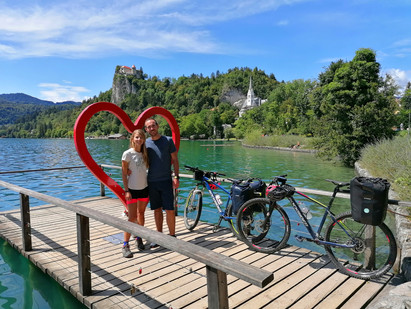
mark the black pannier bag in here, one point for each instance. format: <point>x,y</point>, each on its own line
<point>369,199</point>
<point>243,191</point>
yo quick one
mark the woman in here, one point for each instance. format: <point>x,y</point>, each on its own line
<point>135,160</point>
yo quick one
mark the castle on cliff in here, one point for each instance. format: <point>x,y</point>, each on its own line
<point>122,85</point>
<point>125,70</point>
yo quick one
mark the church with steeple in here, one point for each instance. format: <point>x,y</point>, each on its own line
<point>251,101</point>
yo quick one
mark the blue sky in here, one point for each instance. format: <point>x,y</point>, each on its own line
<point>68,50</point>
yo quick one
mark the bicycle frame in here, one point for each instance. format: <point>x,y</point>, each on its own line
<point>206,182</point>
<point>315,236</point>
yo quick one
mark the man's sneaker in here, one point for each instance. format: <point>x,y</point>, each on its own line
<point>154,245</point>
<point>139,244</point>
<point>126,251</point>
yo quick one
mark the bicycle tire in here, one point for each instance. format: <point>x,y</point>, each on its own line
<point>269,238</point>
<point>192,209</point>
<point>353,261</point>
<point>232,223</point>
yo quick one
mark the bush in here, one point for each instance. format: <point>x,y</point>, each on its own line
<point>390,159</point>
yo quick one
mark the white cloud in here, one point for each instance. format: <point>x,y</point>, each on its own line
<point>401,77</point>
<point>59,93</point>
<point>86,29</point>
<point>283,23</point>
<point>329,60</point>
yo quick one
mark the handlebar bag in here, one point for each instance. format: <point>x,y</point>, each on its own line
<point>369,199</point>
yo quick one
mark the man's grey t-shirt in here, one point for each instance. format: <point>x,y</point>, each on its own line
<point>159,154</point>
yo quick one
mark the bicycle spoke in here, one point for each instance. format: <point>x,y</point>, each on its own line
<point>259,230</point>
<point>373,248</point>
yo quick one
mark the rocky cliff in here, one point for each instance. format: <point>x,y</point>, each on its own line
<point>125,82</point>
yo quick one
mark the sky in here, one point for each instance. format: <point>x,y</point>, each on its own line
<point>68,50</point>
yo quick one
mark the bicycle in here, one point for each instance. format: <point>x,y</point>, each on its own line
<point>356,249</point>
<point>194,202</point>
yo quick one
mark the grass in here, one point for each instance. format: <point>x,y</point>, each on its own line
<point>390,159</point>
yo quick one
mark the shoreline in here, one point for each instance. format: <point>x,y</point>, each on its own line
<point>281,148</point>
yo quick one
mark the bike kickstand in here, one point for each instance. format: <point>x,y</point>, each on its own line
<point>217,226</point>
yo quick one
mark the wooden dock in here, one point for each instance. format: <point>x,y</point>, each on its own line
<point>161,278</point>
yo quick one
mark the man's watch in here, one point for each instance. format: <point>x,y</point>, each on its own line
<point>177,177</point>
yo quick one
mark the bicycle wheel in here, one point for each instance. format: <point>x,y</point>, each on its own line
<point>261,231</point>
<point>370,258</point>
<point>192,209</point>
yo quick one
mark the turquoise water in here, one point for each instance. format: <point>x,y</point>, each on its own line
<point>22,285</point>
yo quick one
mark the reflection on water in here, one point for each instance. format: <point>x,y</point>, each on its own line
<point>303,169</point>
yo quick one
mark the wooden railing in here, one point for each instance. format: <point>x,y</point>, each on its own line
<point>217,265</point>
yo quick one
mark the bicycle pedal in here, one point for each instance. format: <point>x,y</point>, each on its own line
<point>299,238</point>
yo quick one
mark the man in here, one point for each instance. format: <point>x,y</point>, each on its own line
<point>162,153</point>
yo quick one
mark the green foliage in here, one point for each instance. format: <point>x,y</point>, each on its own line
<point>390,159</point>
<point>354,106</point>
<point>194,101</point>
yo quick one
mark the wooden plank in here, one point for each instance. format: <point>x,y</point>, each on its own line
<point>320,291</point>
<point>338,296</point>
<point>370,289</point>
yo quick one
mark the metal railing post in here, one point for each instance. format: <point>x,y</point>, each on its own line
<point>25,222</point>
<point>83,249</point>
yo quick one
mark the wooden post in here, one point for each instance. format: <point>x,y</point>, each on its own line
<point>102,187</point>
<point>25,222</point>
<point>217,288</point>
<point>83,248</point>
<point>369,261</point>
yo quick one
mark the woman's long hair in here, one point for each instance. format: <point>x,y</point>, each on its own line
<point>141,133</point>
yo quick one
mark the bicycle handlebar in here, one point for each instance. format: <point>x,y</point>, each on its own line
<point>281,180</point>
<point>196,169</point>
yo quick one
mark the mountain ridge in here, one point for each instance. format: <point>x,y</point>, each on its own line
<point>27,99</point>
<point>14,106</point>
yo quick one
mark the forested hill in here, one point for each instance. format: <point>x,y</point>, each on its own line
<point>15,106</point>
<point>198,103</point>
<point>349,106</point>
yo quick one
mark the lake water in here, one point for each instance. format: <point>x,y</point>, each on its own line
<point>22,285</point>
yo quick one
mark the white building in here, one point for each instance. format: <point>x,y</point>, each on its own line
<point>251,101</point>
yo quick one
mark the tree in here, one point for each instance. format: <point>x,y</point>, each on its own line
<point>406,104</point>
<point>355,107</point>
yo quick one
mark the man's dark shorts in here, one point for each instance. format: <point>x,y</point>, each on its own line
<point>161,194</point>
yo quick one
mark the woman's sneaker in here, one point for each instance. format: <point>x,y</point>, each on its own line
<point>140,244</point>
<point>126,251</point>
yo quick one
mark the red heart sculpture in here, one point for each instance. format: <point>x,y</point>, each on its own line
<point>80,143</point>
